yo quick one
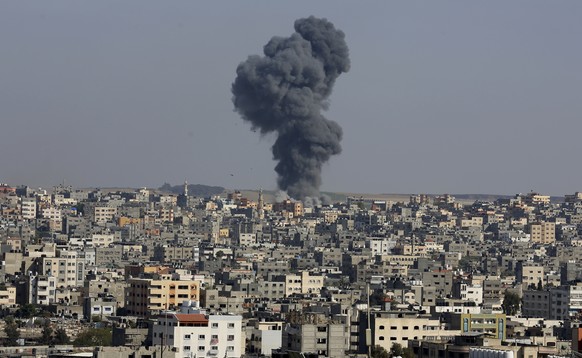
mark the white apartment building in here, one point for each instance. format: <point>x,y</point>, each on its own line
<point>41,289</point>
<point>471,293</point>
<point>28,208</point>
<point>264,337</point>
<point>200,335</point>
<point>380,246</point>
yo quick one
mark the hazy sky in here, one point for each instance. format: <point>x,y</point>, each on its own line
<point>442,96</point>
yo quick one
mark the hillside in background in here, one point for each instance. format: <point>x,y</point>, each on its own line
<point>202,190</point>
<point>193,189</point>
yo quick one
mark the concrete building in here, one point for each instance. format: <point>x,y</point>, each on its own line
<point>200,335</point>
<point>41,289</point>
<point>67,268</point>
<point>101,306</point>
<point>529,274</point>
<point>542,232</point>
<point>303,283</point>
<point>103,214</point>
<point>28,208</point>
<point>494,325</point>
<point>536,303</point>
<point>147,297</point>
<point>312,333</point>
<point>399,327</point>
<point>8,296</point>
<point>265,337</point>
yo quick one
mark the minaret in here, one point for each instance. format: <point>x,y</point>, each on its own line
<point>261,205</point>
<point>185,188</point>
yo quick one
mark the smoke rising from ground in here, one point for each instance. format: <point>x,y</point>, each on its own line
<point>285,91</point>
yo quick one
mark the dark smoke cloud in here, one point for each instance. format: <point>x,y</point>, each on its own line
<point>285,91</point>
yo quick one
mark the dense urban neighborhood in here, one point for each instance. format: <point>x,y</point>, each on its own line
<point>155,273</point>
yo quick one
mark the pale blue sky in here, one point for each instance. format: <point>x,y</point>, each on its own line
<point>442,96</point>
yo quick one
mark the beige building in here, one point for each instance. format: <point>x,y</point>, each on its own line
<point>7,296</point>
<point>293,207</point>
<point>542,232</point>
<point>66,267</point>
<point>103,214</point>
<point>530,275</point>
<point>475,221</point>
<point>146,297</point>
<point>303,283</point>
<point>400,327</point>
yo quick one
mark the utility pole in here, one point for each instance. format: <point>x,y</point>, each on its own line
<point>369,329</point>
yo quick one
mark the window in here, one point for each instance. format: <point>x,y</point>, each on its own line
<point>201,348</point>
<point>201,336</point>
<point>230,337</point>
<point>186,348</point>
<point>214,336</point>
<point>230,348</point>
<point>187,336</point>
<point>215,325</point>
<point>230,325</point>
<point>322,329</point>
<point>214,348</point>
<point>381,338</point>
<point>381,327</point>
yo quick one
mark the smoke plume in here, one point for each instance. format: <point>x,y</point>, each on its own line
<point>285,91</point>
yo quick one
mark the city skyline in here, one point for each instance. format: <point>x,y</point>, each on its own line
<point>441,97</point>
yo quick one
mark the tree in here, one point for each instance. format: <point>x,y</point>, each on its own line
<point>377,298</point>
<point>93,337</point>
<point>61,336</point>
<point>379,352</point>
<point>47,333</point>
<point>396,350</point>
<point>511,303</point>
<point>11,331</point>
<point>26,311</point>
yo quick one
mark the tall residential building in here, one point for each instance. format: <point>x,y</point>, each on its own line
<point>316,334</point>
<point>200,335</point>
<point>28,208</point>
<point>543,232</point>
<point>147,297</point>
<point>66,267</point>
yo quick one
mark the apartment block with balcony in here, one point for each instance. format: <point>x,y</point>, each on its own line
<point>146,297</point>
<point>200,335</point>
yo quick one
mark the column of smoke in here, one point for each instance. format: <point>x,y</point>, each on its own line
<point>284,92</point>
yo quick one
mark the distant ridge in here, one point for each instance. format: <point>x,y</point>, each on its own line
<point>193,189</point>
<point>208,190</point>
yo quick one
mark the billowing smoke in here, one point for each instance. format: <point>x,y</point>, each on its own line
<point>285,91</point>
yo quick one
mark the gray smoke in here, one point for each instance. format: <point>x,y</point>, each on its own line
<point>285,91</point>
